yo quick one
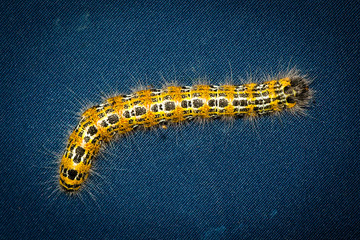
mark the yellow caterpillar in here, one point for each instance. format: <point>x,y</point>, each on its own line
<point>147,108</point>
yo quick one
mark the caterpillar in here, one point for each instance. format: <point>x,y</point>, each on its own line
<point>147,108</point>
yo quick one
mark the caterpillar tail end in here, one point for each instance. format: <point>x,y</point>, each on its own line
<point>72,176</point>
<point>74,169</point>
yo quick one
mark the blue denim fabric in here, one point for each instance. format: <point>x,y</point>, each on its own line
<point>293,178</point>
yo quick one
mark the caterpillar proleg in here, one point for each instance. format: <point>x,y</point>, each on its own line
<point>173,104</point>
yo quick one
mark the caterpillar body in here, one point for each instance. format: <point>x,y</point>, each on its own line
<point>172,104</point>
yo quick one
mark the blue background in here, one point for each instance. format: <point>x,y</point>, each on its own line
<point>288,178</point>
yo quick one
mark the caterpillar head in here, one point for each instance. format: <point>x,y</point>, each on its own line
<point>297,92</point>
